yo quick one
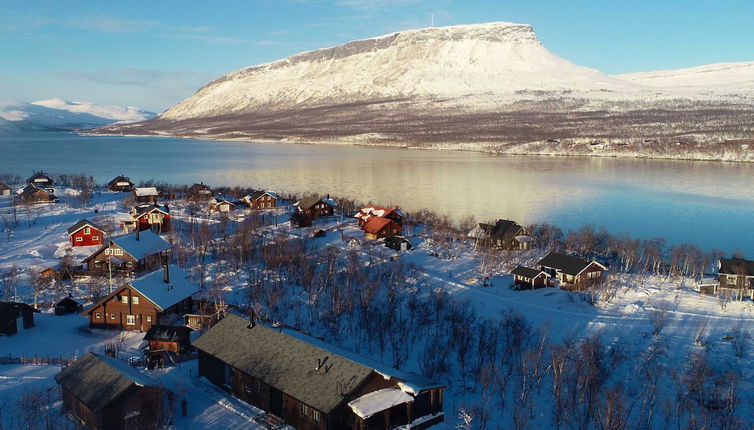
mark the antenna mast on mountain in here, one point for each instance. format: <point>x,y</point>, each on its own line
<point>433,20</point>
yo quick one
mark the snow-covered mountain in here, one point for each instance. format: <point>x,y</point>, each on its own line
<point>723,78</point>
<point>58,114</point>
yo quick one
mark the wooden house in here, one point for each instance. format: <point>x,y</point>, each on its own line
<point>398,243</point>
<point>35,194</point>
<point>101,392</point>
<point>526,277</point>
<point>121,184</point>
<point>149,217</point>
<point>86,233</point>
<point>199,192</point>
<point>54,272</point>
<point>504,234</point>
<point>170,338</point>
<point>378,228</point>
<point>314,207</point>
<point>736,276</point>
<point>145,195</point>
<point>221,205</point>
<point>157,298</point>
<point>134,253</point>
<point>15,317</point>
<point>68,306</point>
<point>572,272</point>
<point>5,190</point>
<point>261,200</point>
<point>312,385</point>
<point>41,179</point>
<point>367,212</point>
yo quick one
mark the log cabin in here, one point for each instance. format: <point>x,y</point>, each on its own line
<point>134,253</point>
<point>572,272</point>
<point>157,298</point>
<point>261,200</point>
<point>526,277</point>
<point>102,392</point>
<point>199,192</point>
<point>312,385</point>
<point>34,194</point>
<point>150,217</point>
<point>145,195</point>
<point>120,184</point>
<point>736,276</point>
<point>86,233</point>
<point>15,317</point>
<point>314,207</point>
<point>370,211</point>
<point>68,306</point>
<point>398,243</point>
<point>504,234</point>
<point>41,179</point>
<point>379,228</point>
<point>5,190</point>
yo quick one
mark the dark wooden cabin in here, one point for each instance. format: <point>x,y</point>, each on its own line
<point>737,276</point>
<point>102,392</point>
<point>261,200</point>
<point>572,272</point>
<point>398,243</point>
<point>68,306</point>
<point>171,338</point>
<point>378,228</point>
<point>314,207</point>
<point>504,234</point>
<point>150,217</point>
<point>5,190</point>
<point>157,298</point>
<point>311,385</point>
<point>86,233</point>
<point>145,195</point>
<point>121,184</point>
<point>139,252</point>
<point>526,277</point>
<point>199,192</point>
<point>34,194</point>
<point>41,179</point>
<point>16,316</point>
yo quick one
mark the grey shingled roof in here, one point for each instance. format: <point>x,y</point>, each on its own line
<point>736,266</point>
<point>565,263</point>
<point>81,224</point>
<point>169,333</point>
<point>502,229</point>
<point>307,202</point>
<point>97,380</point>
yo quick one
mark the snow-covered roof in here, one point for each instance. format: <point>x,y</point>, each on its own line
<point>165,294</point>
<point>148,243</point>
<point>145,191</point>
<point>378,401</point>
<point>330,202</point>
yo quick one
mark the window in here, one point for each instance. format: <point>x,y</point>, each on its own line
<point>315,415</point>
<point>305,410</point>
<point>247,388</point>
<point>124,299</point>
<point>149,318</point>
<point>87,230</point>
<point>112,316</point>
<point>130,319</point>
<point>134,300</point>
<point>95,237</point>
<point>117,251</point>
<point>259,386</point>
<point>731,279</point>
<point>97,315</point>
<point>79,239</point>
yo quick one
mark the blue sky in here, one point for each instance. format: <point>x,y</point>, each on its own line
<point>152,54</point>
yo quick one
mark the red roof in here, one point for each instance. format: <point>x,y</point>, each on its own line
<point>377,224</point>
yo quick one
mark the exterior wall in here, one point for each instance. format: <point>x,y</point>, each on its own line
<point>154,218</point>
<point>147,401</point>
<point>83,415</point>
<point>9,328</point>
<point>100,261</point>
<point>264,202</point>
<point>120,186</point>
<point>538,282</point>
<point>145,199</point>
<point>211,368</point>
<point>80,238</point>
<point>172,346</point>
<point>39,196</point>
<point>302,418</point>
<point>390,229</point>
<point>318,209</point>
<point>113,313</point>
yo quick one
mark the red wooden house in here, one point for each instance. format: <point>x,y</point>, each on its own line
<point>157,298</point>
<point>370,211</point>
<point>378,228</point>
<point>85,233</point>
<point>150,217</point>
<point>134,253</point>
<point>120,184</point>
<point>102,392</point>
<point>261,200</point>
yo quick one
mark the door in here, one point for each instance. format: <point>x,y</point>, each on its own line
<point>276,402</point>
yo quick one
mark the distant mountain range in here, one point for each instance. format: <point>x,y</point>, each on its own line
<point>491,85</point>
<point>59,114</point>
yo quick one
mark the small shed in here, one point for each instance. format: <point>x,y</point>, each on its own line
<point>526,277</point>
<point>16,316</point>
<point>68,306</point>
<point>398,243</point>
<point>171,338</point>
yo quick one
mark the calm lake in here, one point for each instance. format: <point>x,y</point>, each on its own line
<point>708,203</point>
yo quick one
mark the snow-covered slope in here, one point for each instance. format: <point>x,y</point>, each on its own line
<point>57,114</point>
<point>500,61</point>
<point>732,78</point>
<point>116,113</point>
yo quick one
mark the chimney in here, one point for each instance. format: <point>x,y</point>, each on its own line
<point>138,228</point>
<point>252,319</point>
<point>165,274</point>
<point>328,196</point>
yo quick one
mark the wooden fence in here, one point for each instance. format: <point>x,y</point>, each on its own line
<point>36,360</point>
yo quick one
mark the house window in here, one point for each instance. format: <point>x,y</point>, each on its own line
<point>134,300</point>
<point>149,318</point>
<point>97,315</point>
<point>130,319</point>
<point>87,230</point>
<point>79,239</point>
<point>112,316</point>
<point>95,237</point>
<point>117,251</point>
<point>305,410</point>
<point>315,415</point>
<point>124,299</point>
<point>247,388</point>
<point>731,279</point>
<point>259,386</point>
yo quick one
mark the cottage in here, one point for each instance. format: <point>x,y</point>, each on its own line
<point>168,338</point>
<point>68,306</point>
<point>199,192</point>
<point>120,184</point>
<point>526,277</point>
<point>221,205</point>
<point>102,392</point>
<point>41,179</point>
<point>54,272</point>
<point>504,234</point>
<point>368,212</point>
<point>145,195</point>
<point>310,208</point>
<point>378,228</point>
<point>15,317</point>
<point>572,272</point>
<point>138,252</point>
<point>5,190</point>
<point>156,298</point>
<point>150,217</point>
<point>398,243</point>
<point>312,385</point>
<point>261,200</point>
<point>34,194</point>
<point>86,233</point>
<point>736,276</point>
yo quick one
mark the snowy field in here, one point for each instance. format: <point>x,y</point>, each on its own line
<point>643,315</point>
